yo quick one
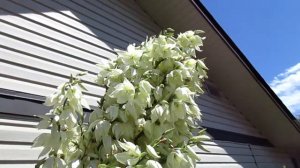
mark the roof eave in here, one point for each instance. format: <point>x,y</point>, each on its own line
<point>243,59</point>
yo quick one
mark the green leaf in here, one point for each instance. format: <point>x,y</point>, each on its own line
<point>112,112</point>
<point>202,131</point>
<point>76,155</point>
<point>45,151</point>
<point>49,163</point>
<point>166,66</point>
<point>60,163</point>
<point>82,87</point>
<point>200,145</point>
<point>192,153</point>
<point>199,31</point>
<point>41,140</point>
<point>52,99</point>
<point>101,129</point>
<point>44,124</point>
<point>107,144</point>
<point>81,74</point>
<point>200,64</point>
<point>123,157</point>
<point>123,130</point>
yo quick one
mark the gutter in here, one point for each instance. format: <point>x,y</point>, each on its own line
<point>244,61</point>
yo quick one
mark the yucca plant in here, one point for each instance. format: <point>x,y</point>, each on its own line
<point>146,117</point>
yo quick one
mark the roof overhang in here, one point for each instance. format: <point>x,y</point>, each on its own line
<point>231,71</point>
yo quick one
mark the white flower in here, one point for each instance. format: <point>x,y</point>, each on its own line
<point>183,93</point>
<point>131,56</point>
<point>153,164</point>
<point>145,87</point>
<point>151,151</point>
<point>123,92</point>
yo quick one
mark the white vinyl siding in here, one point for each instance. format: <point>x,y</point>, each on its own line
<point>42,42</point>
<point>220,114</point>
<point>222,154</point>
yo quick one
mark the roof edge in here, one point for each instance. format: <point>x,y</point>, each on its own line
<point>242,58</point>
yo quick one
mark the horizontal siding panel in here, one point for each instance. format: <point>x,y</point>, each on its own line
<point>219,111</point>
<point>213,105</point>
<point>219,101</point>
<point>46,54</point>
<point>18,122</point>
<point>28,87</point>
<point>21,107</point>
<point>264,148</point>
<point>42,65</point>
<point>223,150</point>
<point>26,165</point>
<point>111,18</point>
<point>95,20</point>
<point>19,134</point>
<point>226,144</point>
<point>226,165</point>
<point>34,152</point>
<point>17,106</point>
<point>54,35</point>
<point>124,9</point>
<point>117,15</point>
<point>233,116</point>
<point>204,158</point>
<point>268,157</point>
<point>227,127</point>
<point>221,153</point>
<point>43,78</point>
<point>12,30</point>
<point>60,12</point>
<point>38,16</point>
<point>19,152</point>
<point>21,149</point>
<point>223,120</point>
<point>220,114</point>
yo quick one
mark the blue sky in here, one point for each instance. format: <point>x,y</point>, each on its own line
<point>268,33</point>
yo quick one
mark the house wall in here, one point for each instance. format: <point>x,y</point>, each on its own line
<point>42,42</point>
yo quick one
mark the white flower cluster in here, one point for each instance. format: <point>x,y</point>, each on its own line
<point>145,119</point>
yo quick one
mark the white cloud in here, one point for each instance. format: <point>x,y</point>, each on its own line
<point>287,86</point>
